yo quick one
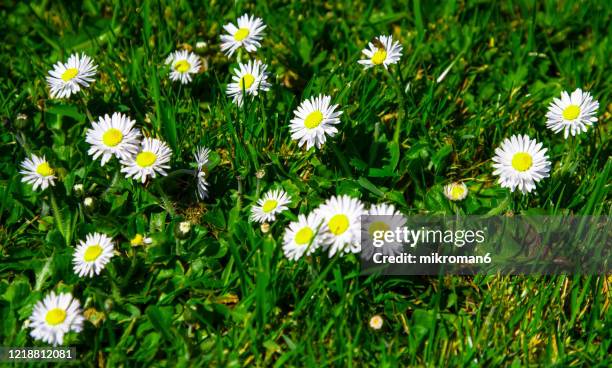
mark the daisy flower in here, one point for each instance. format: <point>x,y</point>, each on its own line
<point>382,51</point>
<point>342,216</point>
<point>376,322</point>
<point>302,236</point>
<point>251,78</point>
<point>314,119</point>
<point>184,227</point>
<point>455,191</point>
<point>572,114</point>
<point>381,217</point>
<point>38,172</point>
<point>113,136</point>
<point>55,316</point>
<point>67,79</point>
<point>92,255</point>
<point>183,64</point>
<point>520,162</point>
<point>140,239</point>
<point>272,203</point>
<point>201,158</point>
<point>151,160</point>
<point>248,34</point>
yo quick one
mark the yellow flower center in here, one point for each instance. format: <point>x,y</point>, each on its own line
<point>92,253</point>
<point>247,81</point>
<point>55,316</point>
<point>182,66</point>
<point>137,240</point>
<point>378,226</point>
<point>241,34</point>
<point>69,74</point>
<point>379,56</point>
<point>522,161</point>
<point>145,159</point>
<point>44,169</point>
<point>112,137</point>
<point>571,112</point>
<point>313,119</point>
<point>269,205</point>
<point>338,224</point>
<point>304,236</point>
<point>457,190</point>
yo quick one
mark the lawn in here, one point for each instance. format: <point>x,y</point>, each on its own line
<point>208,287</point>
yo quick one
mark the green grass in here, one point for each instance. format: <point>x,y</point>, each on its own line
<point>226,296</point>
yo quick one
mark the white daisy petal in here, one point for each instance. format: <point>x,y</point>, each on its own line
<point>67,78</point>
<point>113,136</point>
<point>381,217</point>
<point>250,78</point>
<point>342,219</point>
<point>314,120</point>
<point>201,158</point>
<point>150,160</point>
<point>37,171</point>
<point>247,34</point>
<point>92,255</point>
<point>271,204</point>
<point>55,316</point>
<point>572,114</point>
<point>385,53</point>
<point>303,236</point>
<point>183,64</point>
<point>520,162</point>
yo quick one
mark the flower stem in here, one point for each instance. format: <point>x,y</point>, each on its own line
<point>167,203</point>
<point>401,112</point>
<point>84,102</point>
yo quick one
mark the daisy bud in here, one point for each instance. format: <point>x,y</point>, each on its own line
<point>376,322</point>
<point>455,191</point>
<point>78,189</point>
<point>88,202</point>
<point>182,230</point>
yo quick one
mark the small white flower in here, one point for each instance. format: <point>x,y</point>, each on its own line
<point>376,322</point>
<point>67,79</point>
<point>384,51</point>
<point>78,189</point>
<point>342,217</point>
<point>456,191</point>
<point>113,136</point>
<point>303,236</point>
<point>380,218</point>
<point>201,158</point>
<point>520,162</point>
<point>183,65</point>
<point>272,203</point>
<point>248,34</point>
<point>55,316</point>
<point>572,114</point>
<point>314,119</point>
<point>251,78</point>
<point>184,227</point>
<point>92,255</point>
<point>38,172</point>
<point>151,160</point>
<point>88,202</point>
